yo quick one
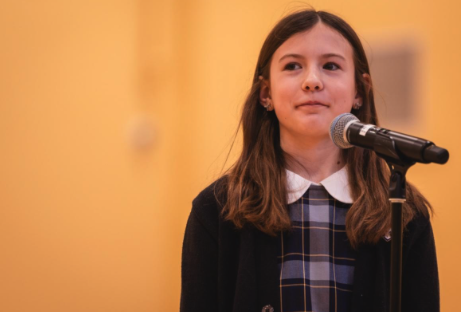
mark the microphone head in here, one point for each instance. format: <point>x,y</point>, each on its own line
<point>338,128</point>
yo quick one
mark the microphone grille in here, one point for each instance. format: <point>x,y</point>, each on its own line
<point>337,128</point>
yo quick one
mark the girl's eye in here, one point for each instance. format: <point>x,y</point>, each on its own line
<point>331,66</point>
<point>292,66</point>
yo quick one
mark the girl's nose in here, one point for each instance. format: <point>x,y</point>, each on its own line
<point>312,82</point>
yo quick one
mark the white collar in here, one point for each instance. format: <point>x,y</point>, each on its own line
<point>337,185</point>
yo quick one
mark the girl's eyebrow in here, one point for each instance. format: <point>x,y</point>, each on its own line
<point>290,55</point>
<point>299,56</point>
<point>328,55</point>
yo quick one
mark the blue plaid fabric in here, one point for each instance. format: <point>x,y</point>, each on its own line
<point>316,261</point>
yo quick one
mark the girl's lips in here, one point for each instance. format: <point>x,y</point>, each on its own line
<point>311,103</point>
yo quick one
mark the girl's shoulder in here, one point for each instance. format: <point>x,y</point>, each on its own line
<point>208,205</point>
<point>213,196</point>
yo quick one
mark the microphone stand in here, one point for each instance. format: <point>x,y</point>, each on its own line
<point>399,165</point>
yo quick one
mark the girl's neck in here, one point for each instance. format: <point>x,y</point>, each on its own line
<point>313,160</point>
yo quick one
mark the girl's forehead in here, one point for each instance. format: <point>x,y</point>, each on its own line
<point>319,39</point>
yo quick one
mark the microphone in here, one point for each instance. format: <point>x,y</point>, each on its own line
<point>347,131</point>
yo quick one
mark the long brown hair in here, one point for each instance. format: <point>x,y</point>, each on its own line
<point>256,185</point>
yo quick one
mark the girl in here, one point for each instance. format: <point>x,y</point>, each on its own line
<point>298,224</point>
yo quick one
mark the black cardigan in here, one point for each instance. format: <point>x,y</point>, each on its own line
<point>224,269</point>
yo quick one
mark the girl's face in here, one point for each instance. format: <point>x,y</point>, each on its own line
<point>312,81</point>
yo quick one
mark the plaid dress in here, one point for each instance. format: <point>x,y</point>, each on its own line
<point>316,261</point>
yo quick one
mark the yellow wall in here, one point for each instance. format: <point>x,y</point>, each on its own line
<point>89,223</point>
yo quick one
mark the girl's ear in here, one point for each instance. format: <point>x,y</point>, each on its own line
<point>358,101</point>
<point>265,94</point>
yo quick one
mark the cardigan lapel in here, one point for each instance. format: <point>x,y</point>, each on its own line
<point>363,279</point>
<point>371,278</point>
<point>245,299</point>
<point>268,276</point>
<point>257,282</point>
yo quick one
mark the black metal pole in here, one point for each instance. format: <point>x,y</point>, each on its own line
<point>397,192</point>
<point>396,255</point>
